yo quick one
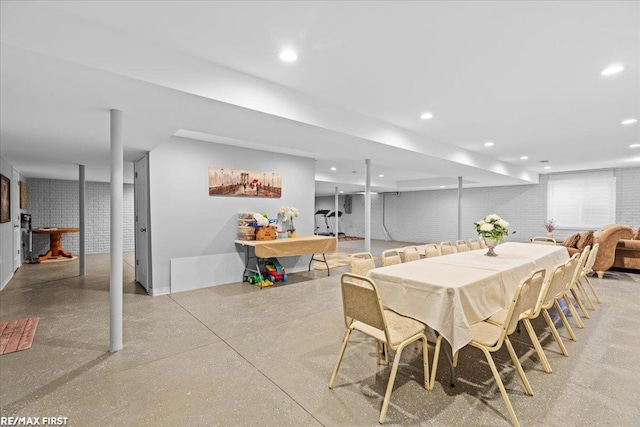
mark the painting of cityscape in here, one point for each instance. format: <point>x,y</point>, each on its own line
<point>242,182</point>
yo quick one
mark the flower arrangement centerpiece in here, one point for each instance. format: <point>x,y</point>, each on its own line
<point>287,213</point>
<point>550,225</point>
<point>493,229</point>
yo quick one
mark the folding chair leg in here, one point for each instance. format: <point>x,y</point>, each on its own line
<point>565,322</point>
<point>516,362</point>
<point>536,344</point>
<point>579,302</point>
<point>585,295</point>
<point>425,362</point>
<point>455,359</point>
<point>554,332</point>
<point>503,391</point>
<point>392,379</point>
<point>574,313</point>
<point>344,346</point>
<point>434,367</point>
<point>593,290</point>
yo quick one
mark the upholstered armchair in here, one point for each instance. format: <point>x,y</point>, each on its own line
<point>608,237</point>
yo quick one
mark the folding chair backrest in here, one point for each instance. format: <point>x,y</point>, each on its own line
<point>474,244</point>
<point>543,240</point>
<point>483,243</point>
<point>361,263</point>
<point>446,248</point>
<point>411,253</point>
<point>431,250</point>
<point>580,265</point>
<point>592,258</point>
<point>570,269</point>
<point>462,246</point>
<point>361,301</point>
<point>390,257</point>
<point>554,287</point>
<point>527,297</point>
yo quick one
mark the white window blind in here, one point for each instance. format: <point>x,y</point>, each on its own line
<point>585,201</point>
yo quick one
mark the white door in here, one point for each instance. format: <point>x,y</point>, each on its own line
<point>15,216</point>
<point>141,214</point>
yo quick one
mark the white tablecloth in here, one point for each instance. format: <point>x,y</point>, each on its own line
<point>450,292</point>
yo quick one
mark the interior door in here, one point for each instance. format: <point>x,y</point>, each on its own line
<point>141,213</point>
<point>15,216</point>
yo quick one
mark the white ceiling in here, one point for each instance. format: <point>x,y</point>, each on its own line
<point>525,75</point>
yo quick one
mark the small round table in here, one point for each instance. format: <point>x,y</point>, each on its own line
<point>55,241</point>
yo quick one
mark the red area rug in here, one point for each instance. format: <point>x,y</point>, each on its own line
<point>17,335</point>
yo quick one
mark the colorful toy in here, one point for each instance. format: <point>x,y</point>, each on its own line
<point>274,271</point>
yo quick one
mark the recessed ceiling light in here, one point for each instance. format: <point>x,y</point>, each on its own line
<point>341,192</point>
<point>426,116</point>
<point>333,168</point>
<point>381,176</point>
<point>524,157</point>
<point>628,121</point>
<point>613,69</point>
<point>634,146</point>
<point>547,167</point>
<point>288,56</point>
<point>442,186</point>
<point>488,144</point>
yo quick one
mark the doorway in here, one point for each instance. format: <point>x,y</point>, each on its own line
<point>142,221</point>
<point>15,220</point>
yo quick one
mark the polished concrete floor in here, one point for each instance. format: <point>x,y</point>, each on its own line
<point>235,355</point>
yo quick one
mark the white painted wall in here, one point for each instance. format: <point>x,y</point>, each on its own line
<point>191,230</point>
<point>431,216</point>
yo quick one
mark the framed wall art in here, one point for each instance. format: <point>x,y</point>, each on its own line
<point>23,195</point>
<point>244,182</point>
<point>5,199</point>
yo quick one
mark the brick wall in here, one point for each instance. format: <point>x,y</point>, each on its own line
<point>431,216</point>
<point>54,203</point>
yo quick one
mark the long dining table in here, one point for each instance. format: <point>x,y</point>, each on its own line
<point>449,293</point>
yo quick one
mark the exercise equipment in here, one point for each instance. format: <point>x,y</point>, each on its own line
<point>324,213</point>
<point>337,224</point>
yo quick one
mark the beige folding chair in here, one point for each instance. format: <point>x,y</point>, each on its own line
<point>531,313</point>
<point>588,268</point>
<point>543,240</point>
<point>363,312</point>
<point>411,253</point>
<point>462,246</point>
<point>474,244</point>
<point>361,263</point>
<point>483,243</point>
<point>489,337</point>
<point>556,289</point>
<point>431,250</point>
<point>391,257</point>
<point>575,282</point>
<point>446,248</point>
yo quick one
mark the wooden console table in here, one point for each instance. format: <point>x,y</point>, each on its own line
<point>292,246</point>
<point>55,241</point>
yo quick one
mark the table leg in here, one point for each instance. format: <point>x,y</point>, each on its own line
<point>324,259</point>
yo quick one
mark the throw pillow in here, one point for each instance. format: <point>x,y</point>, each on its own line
<point>586,239</point>
<point>637,236</point>
<point>570,242</point>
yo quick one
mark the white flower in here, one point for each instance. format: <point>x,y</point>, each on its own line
<point>502,223</point>
<point>487,227</point>
<point>492,218</point>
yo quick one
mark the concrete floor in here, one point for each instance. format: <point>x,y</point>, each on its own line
<point>236,355</point>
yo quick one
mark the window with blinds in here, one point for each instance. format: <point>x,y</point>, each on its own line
<point>583,201</point>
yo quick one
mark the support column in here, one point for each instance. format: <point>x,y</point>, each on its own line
<point>82,220</point>
<point>337,230</point>
<point>115,273</point>
<point>367,206</point>
<point>459,208</point>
